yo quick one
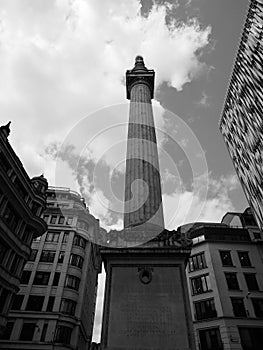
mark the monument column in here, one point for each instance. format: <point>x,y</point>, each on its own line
<point>146,304</point>
<point>143,198</point>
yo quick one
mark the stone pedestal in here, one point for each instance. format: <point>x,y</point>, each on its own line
<point>146,303</point>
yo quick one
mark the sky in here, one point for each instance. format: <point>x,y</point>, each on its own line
<point>63,65</point>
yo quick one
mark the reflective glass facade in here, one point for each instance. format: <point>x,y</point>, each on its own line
<point>242,124</point>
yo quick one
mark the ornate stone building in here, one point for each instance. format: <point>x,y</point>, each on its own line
<point>55,306</point>
<point>241,123</point>
<point>22,201</point>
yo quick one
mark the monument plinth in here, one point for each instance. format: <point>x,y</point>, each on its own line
<point>146,305</point>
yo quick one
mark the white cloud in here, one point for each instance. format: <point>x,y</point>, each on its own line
<point>61,60</point>
<point>185,206</point>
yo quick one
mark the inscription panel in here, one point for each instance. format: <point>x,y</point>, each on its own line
<point>146,316</point>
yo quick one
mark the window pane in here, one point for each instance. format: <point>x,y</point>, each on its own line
<point>226,258</point>
<point>251,281</point>
<point>27,331</point>
<point>17,302</point>
<point>68,306</point>
<point>35,303</point>
<point>258,306</point>
<point>200,284</point>
<point>205,309</point>
<point>47,256</point>
<point>61,257</point>
<point>33,255</point>
<point>44,332</point>
<point>53,219</point>
<point>52,237</point>
<point>72,282</point>
<point>231,279</point>
<point>61,220</point>
<point>56,279</point>
<point>65,237</point>
<point>63,334</point>
<point>7,331</point>
<point>244,259</point>
<point>69,220</point>
<point>25,277</point>
<point>50,303</point>
<point>238,307</point>
<point>197,262</point>
<point>41,278</point>
<point>210,339</point>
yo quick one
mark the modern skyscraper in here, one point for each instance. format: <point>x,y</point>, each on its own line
<point>146,303</point>
<point>225,282</point>
<point>55,306</point>
<point>22,201</point>
<point>241,123</point>
<point>143,197</point>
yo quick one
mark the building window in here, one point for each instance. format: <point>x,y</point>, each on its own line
<point>76,260</point>
<point>4,297</point>
<point>4,249</point>
<point>69,220</point>
<point>205,309</point>
<point>238,307</point>
<point>231,280</point>
<point>28,330</point>
<point>35,302</point>
<point>50,303</point>
<point>41,278</point>
<point>56,279</point>
<point>61,220</point>
<point>79,241</point>
<point>47,256</point>
<point>46,218</point>
<point>210,339</point>
<point>200,284</point>
<point>15,264</point>
<point>7,331</point>
<point>52,237</point>
<point>11,218</point>
<point>244,259</point>
<point>68,307</point>
<point>44,332</point>
<point>197,262</point>
<point>257,235</point>
<point>63,335</point>
<point>251,280</point>
<point>258,306</point>
<point>226,258</point>
<point>17,302</point>
<point>61,257</point>
<point>33,255</point>
<point>53,219</point>
<point>65,237</point>
<point>72,282</point>
<point>251,338</point>
<point>25,277</point>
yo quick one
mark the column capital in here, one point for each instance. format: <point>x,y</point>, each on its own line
<point>139,75</point>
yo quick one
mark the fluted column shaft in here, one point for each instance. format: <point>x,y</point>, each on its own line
<point>143,200</point>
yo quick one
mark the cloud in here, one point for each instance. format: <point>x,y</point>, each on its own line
<point>64,59</point>
<point>185,206</point>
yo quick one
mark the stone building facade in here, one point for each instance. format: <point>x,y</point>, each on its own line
<point>55,306</point>
<point>225,282</point>
<point>22,201</point>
